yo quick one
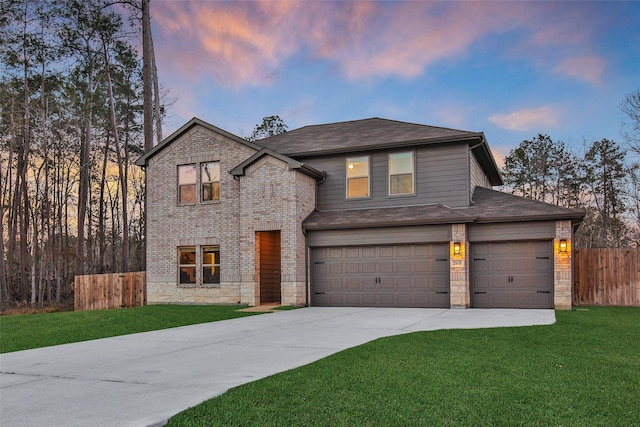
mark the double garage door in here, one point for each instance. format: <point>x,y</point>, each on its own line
<point>512,274</point>
<point>503,275</point>
<point>381,276</point>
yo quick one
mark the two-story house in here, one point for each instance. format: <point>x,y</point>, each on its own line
<point>371,212</point>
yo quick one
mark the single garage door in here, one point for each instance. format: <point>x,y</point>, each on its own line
<point>512,274</point>
<point>381,276</point>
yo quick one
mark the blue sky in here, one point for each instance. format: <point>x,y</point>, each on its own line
<point>508,69</point>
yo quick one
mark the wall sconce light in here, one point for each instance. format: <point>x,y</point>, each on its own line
<point>456,248</point>
<point>563,246</point>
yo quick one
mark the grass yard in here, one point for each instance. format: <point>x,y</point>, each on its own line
<point>582,371</point>
<point>22,332</point>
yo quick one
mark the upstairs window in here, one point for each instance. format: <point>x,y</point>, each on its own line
<point>211,265</point>
<point>187,184</point>
<point>210,178</point>
<point>187,265</point>
<point>401,173</point>
<point>357,177</point>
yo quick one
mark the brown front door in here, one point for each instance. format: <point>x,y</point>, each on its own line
<point>269,265</point>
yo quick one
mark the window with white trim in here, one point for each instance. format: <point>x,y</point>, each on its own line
<point>358,177</point>
<point>401,174</point>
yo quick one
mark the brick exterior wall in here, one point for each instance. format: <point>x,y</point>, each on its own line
<point>272,197</point>
<point>269,197</point>
<point>459,289</point>
<point>562,267</point>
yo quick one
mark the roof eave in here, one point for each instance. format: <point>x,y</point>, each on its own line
<point>381,224</point>
<point>523,218</point>
<point>291,163</point>
<point>386,145</point>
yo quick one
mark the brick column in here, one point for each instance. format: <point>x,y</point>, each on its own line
<point>459,292</point>
<point>562,267</point>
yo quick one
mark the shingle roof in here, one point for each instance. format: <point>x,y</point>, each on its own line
<point>496,206</point>
<point>360,134</point>
<point>293,164</point>
<point>385,217</point>
<point>488,206</point>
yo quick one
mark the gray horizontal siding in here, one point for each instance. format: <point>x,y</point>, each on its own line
<point>511,231</point>
<point>478,177</point>
<point>442,176</point>
<point>380,236</point>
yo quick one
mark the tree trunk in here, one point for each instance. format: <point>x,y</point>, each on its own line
<point>146,76</point>
<point>121,172</point>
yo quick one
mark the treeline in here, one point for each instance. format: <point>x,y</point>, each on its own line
<point>603,180</point>
<point>71,126</point>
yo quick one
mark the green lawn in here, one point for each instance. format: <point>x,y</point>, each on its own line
<point>22,332</point>
<point>582,371</point>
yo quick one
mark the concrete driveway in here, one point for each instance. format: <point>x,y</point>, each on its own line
<point>144,379</point>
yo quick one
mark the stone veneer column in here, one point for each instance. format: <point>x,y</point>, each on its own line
<point>459,292</point>
<point>562,267</point>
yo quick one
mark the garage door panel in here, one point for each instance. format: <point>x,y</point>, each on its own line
<point>336,253</point>
<point>404,283</point>
<point>512,274</point>
<point>386,251</point>
<point>441,265</point>
<point>422,266</point>
<point>335,268</point>
<point>368,267</point>
<point>386,267</point>
<point>396,276</point>
<point>352,268</point>
<point>368,252</point>
<point>404,267</point>
<point>404,251</point>
<point>352,253</point>
<point>335,284</point>
<point>368,283</point>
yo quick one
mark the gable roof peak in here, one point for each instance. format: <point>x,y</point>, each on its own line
<point>142,161</point>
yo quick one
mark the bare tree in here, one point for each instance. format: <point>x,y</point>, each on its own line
<point>631,126</point>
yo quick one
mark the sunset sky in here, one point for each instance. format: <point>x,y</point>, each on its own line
<point>509,69</point>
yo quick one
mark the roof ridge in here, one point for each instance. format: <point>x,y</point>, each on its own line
<point>383,119</point>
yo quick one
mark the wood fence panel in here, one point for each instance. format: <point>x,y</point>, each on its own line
<point>105,291</point>
<point>607,276</point>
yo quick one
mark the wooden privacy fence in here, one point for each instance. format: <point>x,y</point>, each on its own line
<point>103,291</point>
<point>607,276</point>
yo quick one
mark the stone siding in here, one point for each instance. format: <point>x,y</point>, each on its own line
<point>563,267</point>
<point>459,290</point>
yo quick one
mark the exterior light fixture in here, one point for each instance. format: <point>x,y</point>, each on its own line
<point>456,248</point>
<point>563,246</point>
<point>350,165</point>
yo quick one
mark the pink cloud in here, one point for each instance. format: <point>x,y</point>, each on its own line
<point>588,68</point>
<point>247,43</point>
<point>527,119</point>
